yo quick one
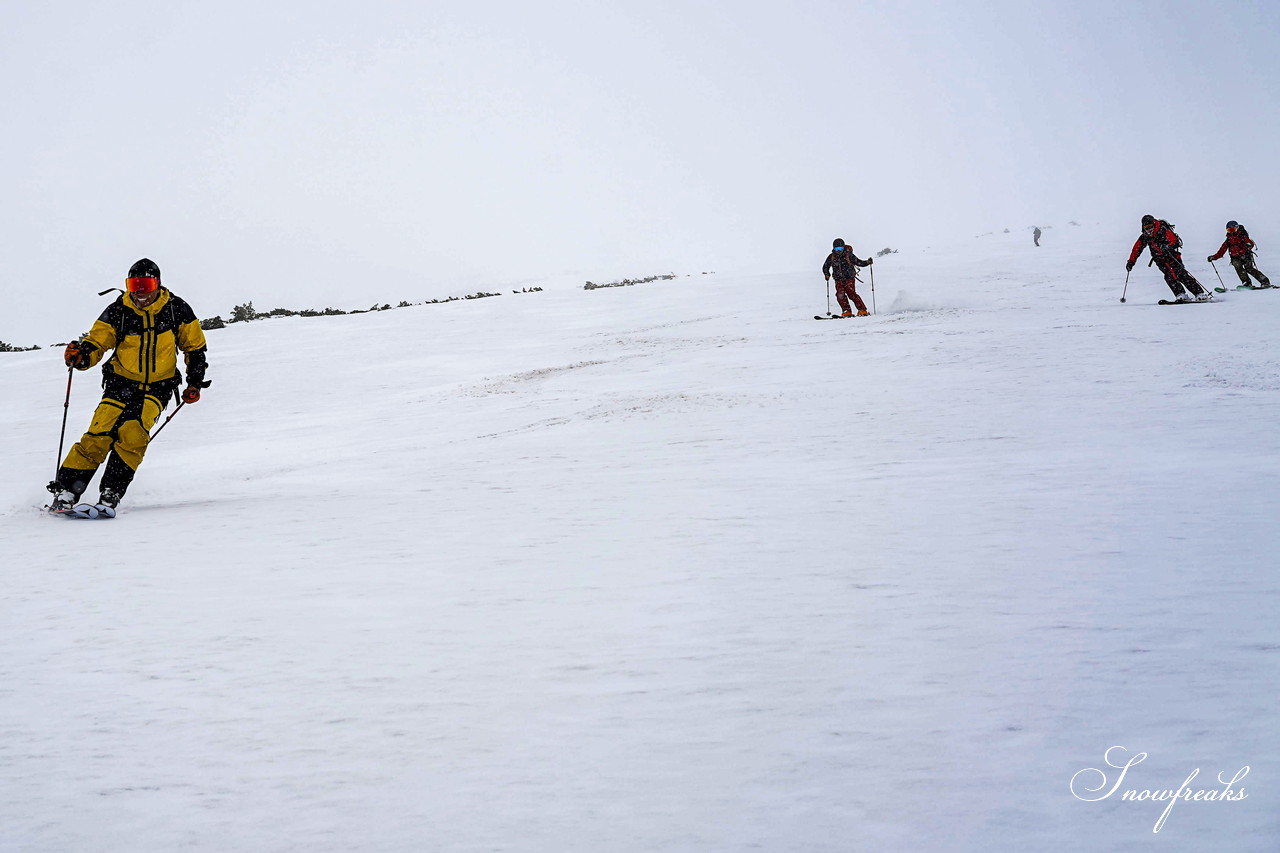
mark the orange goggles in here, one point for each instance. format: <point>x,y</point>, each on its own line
<point>141,285</point>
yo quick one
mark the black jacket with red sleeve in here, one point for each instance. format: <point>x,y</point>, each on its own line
<point>1238,244</point>
<point>1163,243</point>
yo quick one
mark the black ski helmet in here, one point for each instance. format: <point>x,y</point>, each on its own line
<point>837,243</point>
<point>1148,220</point>
<point>144,268</point>
<point>1233,224</point>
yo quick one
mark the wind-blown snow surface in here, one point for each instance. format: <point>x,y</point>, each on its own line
<point>669,567</point>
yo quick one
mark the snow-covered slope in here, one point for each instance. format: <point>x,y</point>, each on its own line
<point>668,567</point>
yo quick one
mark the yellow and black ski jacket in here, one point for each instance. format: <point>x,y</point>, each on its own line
<point>147,341</point>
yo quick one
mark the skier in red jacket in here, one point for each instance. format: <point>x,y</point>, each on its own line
<point>844,264</point>
<point>1164,244</point>
<point>1241,249</point>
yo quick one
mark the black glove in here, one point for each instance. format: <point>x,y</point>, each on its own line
<point>1129,266</point>
<point>1212,259</point>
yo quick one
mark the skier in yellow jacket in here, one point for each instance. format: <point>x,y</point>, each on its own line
<point>147,327</point>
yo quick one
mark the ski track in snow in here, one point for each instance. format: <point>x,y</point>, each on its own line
<point>667,567</point>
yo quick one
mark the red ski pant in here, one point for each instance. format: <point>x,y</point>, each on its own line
<point>1176,275</point>
<point>846,289</point>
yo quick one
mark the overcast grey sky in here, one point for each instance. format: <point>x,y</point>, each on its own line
<point>350,153</point>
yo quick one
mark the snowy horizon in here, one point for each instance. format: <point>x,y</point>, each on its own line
<point>56,329</point>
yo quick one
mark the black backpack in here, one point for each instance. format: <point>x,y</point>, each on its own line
<point>1245,233</point>
<point>1176,246</point>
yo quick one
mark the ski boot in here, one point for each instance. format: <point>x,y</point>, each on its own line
<point>63,498</point>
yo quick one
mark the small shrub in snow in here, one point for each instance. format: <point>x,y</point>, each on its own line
<point>627,282</point>
<point>243,313</point>
<point>246,312</point>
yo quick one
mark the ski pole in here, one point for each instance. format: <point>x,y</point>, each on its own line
<point>153,435</point>
<point>181,403</point>
<point>873,290</point>
<point>71,371</point>
<point>828,297</point>
<point>1126,285</point>
<point>1222,289</point>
